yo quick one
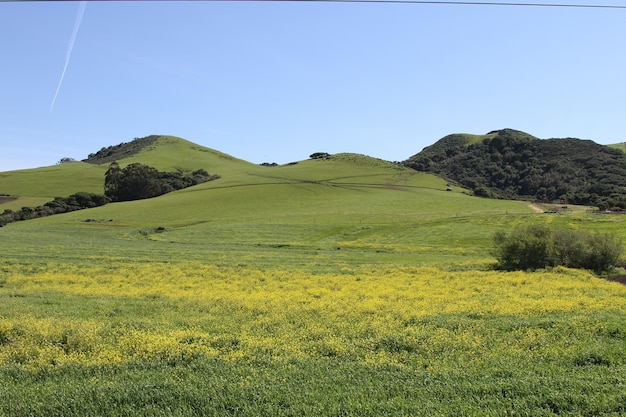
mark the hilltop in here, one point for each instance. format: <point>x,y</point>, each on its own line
<point>34,187</point>
<point>515,165</point>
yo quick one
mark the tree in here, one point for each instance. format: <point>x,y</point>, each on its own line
<point>319,155</point>
<point>137,182</point>
<point>112,179</point>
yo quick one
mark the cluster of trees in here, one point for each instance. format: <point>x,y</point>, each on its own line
<point>121,151</point>
<point>319,155</point>
<point>539,246</point>
<point>513,164</point>
<point>137,181</point>
<point>78,201</point>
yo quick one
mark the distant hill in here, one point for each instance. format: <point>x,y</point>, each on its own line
<point>506,164</point>
<point>34,187</point>
<point>512,164</point>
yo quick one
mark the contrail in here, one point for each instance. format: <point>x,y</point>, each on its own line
<point>70,46</point>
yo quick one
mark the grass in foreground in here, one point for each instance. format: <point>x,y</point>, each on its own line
<point>190,338</point>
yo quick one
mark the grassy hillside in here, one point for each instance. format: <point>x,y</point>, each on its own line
<point>167,153</point>
<point>338,286</point>
<point>34,187</point>
<point>346,202</point>
<point>357,208</point>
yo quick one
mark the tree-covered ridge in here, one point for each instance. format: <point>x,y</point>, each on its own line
<point>123,150</point>
<point>513,164</point>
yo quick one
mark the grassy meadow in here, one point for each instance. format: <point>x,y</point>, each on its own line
<point>349,286</point>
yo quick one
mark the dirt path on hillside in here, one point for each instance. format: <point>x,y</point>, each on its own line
<point>535,208</point>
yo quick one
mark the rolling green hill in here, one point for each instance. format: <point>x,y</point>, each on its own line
<point>515,165</point>
<point>346,201</point>
<point>34,187</point>
<point>344,285</point>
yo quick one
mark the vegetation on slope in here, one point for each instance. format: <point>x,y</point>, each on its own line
<point>35,187</point>
<point>513,164</point>
<point>122,151</point>
<point>134,182</point>
<point>137,181</point>
<point>59,205</point>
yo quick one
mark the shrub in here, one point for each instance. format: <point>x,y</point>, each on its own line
<point>528,248</point>
<point>534,247</point>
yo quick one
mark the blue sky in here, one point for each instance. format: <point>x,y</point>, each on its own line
<point>277,81</point>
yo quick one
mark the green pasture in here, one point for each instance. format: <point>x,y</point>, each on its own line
<point>353,208</point>
<point>326,216</point>
<point>59,180</point>
<point>39,185</point>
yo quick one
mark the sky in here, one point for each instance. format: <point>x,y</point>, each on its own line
<point>278,81</point>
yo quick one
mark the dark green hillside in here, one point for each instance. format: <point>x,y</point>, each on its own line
<point>123,150</point>
<point>512,164</point>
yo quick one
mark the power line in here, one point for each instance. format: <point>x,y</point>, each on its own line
<point>467,3</point>
<point>444,2</point>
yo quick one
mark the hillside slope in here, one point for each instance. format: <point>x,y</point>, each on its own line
<point>512,164</point>
<point>353,206</point>
<point>34,187</point>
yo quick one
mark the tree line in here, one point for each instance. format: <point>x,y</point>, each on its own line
<point>78,201</point>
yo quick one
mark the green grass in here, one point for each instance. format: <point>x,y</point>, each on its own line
<point>372,210</point>
<point>314,207</point>
<point>472,139</point>
<point>621,146</point>
<point>542,364</point>
<point>53,181</point>
<point>170,153</point>
<point>167,154</point>
<point>336,216</point>
<point>318,388</point>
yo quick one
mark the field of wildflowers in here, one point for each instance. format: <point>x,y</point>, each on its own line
<point>342,287</point>
<point>188,338</point>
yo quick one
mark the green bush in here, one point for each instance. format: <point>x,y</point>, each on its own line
<point>534,247</point>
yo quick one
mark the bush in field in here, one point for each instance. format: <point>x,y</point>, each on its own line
<point>528,248</point>
<point>534,247</point>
